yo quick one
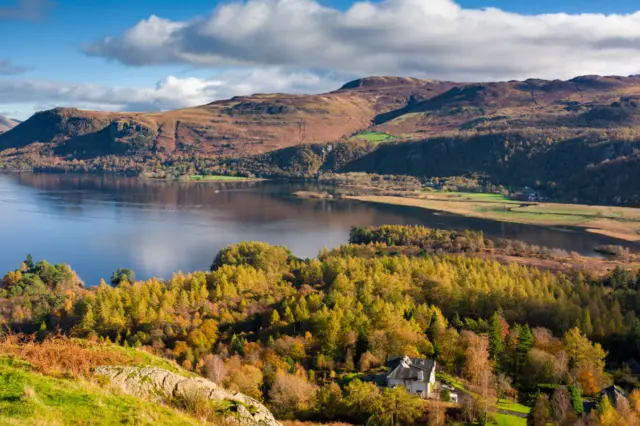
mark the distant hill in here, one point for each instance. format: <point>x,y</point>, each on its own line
<point>7,124</point>
<point>235,127</point>
<point>571,139</point>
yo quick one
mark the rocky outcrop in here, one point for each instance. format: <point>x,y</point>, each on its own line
<point>164,386</point>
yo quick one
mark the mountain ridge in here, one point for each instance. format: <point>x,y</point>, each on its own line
<point>237,126</point>
<point>259,123</point>
<point>582,134</point>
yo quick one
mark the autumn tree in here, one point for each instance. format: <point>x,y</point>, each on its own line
<point>362,400</point>
<point>477,364</point>
<point>329,401</point>
<point>540,414</point>
<point>214,368</point>
<point>586,361</point>
<point>291,395</point>
<point>561,408</point>
<point>400,407</point>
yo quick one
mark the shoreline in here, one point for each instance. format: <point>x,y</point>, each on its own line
<point>588,218</point>
<point>314,195</point>
<point>204,179</point>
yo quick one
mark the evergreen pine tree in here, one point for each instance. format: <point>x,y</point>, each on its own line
<point>524,345</point>
<point>435,328</point>
<point>275,318</point>
<point>496,342</point>
<point>456,322</point>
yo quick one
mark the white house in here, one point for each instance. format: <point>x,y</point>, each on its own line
<point>415,374</point>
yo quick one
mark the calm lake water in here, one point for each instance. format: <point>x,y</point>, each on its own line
<point>100,223</point>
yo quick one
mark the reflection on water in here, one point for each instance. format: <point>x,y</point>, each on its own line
<point>101,223</point>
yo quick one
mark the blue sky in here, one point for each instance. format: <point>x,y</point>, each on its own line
<point>60,54</point>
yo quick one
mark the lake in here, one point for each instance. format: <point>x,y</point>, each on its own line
<point>100,223</point>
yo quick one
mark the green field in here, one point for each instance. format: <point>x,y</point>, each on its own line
<point>28,397</point>
<point>505,404</point>
<point>373,136</point>
<point>473,196</point>
<point>507,420</point>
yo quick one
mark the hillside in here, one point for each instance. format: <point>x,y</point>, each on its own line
<point>235,127</point>
<point>575,139</point>
<point>71,381</point>
<point>584,102</point>
<point>7,124</point>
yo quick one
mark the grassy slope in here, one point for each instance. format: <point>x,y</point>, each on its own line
<point>373,136</point>
<point>617,222</point>
<point>505,404</point>
<point>51,383</point>
<point>235,127</point>
<point>134,356</point>
<point>28,397</point>
<point>507,420</point>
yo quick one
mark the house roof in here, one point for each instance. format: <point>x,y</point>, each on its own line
<point>614,394</point>
<point>405,368</point>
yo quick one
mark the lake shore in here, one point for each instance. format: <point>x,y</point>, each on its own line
<point>205,178</point>
<point>617,222</point>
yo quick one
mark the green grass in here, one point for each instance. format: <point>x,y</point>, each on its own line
<point>373,136</point>
<point>28,397</point>
<point>507,420</point>
<point>475,196</point>
<point>505,404</point>
<point>145,359</point>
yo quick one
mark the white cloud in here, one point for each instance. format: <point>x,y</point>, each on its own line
<point>170,93</point>
<point>434,38</point>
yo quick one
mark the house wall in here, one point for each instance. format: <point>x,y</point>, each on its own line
<point>432,381</point>
<point>414,387</point>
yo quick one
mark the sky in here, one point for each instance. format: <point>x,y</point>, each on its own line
<point>143,55</point>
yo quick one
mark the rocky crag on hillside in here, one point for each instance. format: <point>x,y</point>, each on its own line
<point>162,386</point>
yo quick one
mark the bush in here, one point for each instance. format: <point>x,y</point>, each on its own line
<point>576,399</point>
